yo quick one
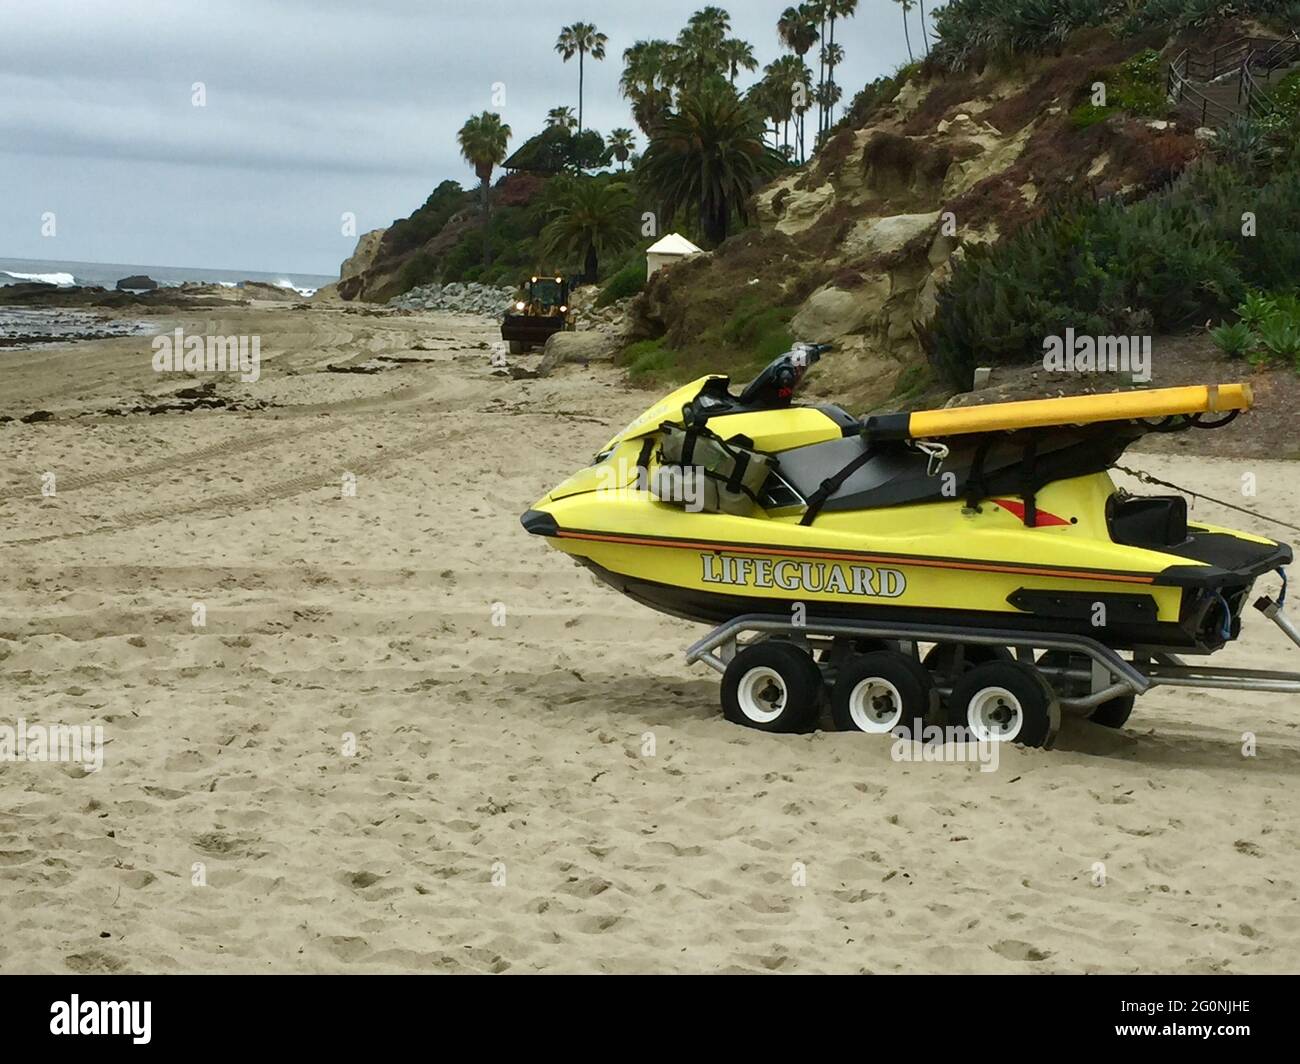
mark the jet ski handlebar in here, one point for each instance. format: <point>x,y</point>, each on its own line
<point>775,386</point>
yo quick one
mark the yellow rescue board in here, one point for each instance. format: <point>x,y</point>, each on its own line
<point>1081,410</point>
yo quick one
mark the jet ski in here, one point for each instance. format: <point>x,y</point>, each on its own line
<point>828,550</point>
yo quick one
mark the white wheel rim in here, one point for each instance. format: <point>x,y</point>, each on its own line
<point>875,705</point>
<point>762,694</point>
<point>995,715</point>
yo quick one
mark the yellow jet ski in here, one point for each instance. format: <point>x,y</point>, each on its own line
<point>989,533</point>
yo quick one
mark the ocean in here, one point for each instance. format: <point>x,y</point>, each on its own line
<point>107,274</point>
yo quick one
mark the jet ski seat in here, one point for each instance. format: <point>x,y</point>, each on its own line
<point>896,473</point>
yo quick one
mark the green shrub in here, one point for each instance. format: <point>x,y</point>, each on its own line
<point>1235,341</point>
<point>1279,337</point>
<point>1178,257</point>
<point>627,282</point>
<point>419,269</point>
<point>649,358</point>
<point>1089,114</point>
<point>1256,309</point>
<point>1286,94</point>
<point>1100,268</point>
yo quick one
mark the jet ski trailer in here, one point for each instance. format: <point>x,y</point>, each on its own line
<point>827,552</point>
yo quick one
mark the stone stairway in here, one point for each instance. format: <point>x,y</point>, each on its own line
<point>1218,87</point>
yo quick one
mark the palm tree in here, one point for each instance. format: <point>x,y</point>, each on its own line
<point>782,75</point>
<point>712,20</point>
<point>907,6</point>
<point>738,55</point>
<point>589,218</point>
<point>697,55</point>
<point>483,139</point>
<point>621,143</point>
<point>581,39</point>
<point>924,35</point>
<point>645,81</point>
<point>828,93</point>
<point>561,116</point>
<point>819,7</point>
<point>797,29</point>
<point>709,155</point>
<point>837,9</point>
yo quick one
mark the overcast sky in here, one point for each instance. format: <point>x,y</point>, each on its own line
<point>314,108</point>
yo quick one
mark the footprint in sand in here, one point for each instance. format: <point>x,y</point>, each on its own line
<point>1014,950</point>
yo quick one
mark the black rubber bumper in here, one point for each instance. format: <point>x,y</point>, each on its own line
<point>539,523</point>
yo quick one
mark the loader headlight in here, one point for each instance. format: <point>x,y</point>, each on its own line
<point>519,306</point>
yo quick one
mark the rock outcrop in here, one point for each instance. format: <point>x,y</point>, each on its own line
<point>137,282</point>
<point>363,257</point>
<point>576,347</point>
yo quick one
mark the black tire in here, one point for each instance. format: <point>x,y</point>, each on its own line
<point>1005,701</point>
<point>516,347</point>
<point>772,686</point>
<point>1113,713</point>
<point>904,693</point>
<point>942,658</point>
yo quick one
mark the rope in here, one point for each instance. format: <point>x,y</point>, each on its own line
<point>1147,478</point>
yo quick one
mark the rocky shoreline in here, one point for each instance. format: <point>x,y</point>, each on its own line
<point>32,327</point>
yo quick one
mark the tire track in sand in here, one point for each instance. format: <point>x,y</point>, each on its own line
<point>253,499</point>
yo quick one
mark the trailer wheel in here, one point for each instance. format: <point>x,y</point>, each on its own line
<point>1005,701</point>
<point>1113,713</point>
<point>880,691</point>
<point>942,659</point>
<point>772,686</point>
<point>516,347</point>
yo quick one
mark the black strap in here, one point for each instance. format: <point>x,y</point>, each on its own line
<point>1027,485</point>
<point>643,459</point>
<point>739,463</point>
<point>975,478</point>
<point>832,484</point>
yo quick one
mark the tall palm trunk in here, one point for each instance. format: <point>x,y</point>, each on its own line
<point>830,120</point>
<point>581,55</point>
<point>821,82</point>
<point>925,37</point>
<point>487,211</point>
<point>908,36</point>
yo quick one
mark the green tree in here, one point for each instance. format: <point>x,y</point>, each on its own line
<point>738,55</point>
<point>562,117</point>
<point>907,6</point>
<point>697,56</point>
<point>836,9</point>
<point>786,77</point>
<point>483,139</point>
<point>589,217</point>
<point>797,28</point>
<point>709,155</point>
<point>645,81</point>
<point>621,143</point>
<point>581,39</point>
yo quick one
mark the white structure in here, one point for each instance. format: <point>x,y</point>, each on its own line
<point>672,248</point>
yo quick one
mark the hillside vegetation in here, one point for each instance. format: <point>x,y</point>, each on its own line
<point>972,204</point>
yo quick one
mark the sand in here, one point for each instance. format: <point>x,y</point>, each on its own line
<point>499,813</point>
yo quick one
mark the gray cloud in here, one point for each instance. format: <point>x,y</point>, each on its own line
<point>314,107</point>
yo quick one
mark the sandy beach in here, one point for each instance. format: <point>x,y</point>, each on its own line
<point>349,767</point>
